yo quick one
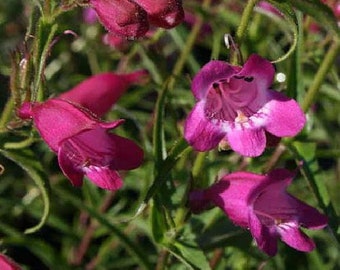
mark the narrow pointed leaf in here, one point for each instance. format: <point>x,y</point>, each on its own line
<point>28,162</point>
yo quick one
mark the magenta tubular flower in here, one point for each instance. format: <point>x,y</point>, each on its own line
<point>82,142</point>
<point>8,264</point>
<point>261,203</point>
<point>235,105</point>
<point>123,17</point>
<point>99,92</point>
<point>163,13</point>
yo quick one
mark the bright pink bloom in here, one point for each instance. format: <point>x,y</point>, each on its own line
<point>99,92</point>
<point>261,203</point>
<point>163,13</point>
<point>235,105</point>
<point>8,264</point>
<point>123,17</point>
<point>82,142</point>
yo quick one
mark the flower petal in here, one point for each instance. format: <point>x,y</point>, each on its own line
<point>293,237</point>
<point>231,195</point>
<point>69,164</point>
<point>104,177</point>
<point>57,120</point>
<point>198,201</point>
<point>201,134</point>
<point>249,142</point>
<point>7,263</point>
<point>128,154</point>
<point>99,92</point>
<point>273,199</point>
<point>265,237</point>
<point>260,69</point>
<point>211,72</point>
<point>285,117</point>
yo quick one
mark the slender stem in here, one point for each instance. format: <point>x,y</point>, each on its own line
<point>320,75</point>
<point>188,46</point>
<point>162,259</point>
<point>245,19</point>
<point>6,113</point>
<point>81,250</point>
<point>243,26</point>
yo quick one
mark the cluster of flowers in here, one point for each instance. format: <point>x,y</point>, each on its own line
<point>235,108</point>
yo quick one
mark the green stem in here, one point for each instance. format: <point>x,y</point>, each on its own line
<point>243,26</point>
<point>320,75</point>
<point>188,47</point>
<point>6,113</point>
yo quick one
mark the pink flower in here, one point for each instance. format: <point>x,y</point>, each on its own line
<point>236,106</point>
<point>123,17</point>
<point>163,13</point>
<point>7,264</point>
<point>261,203</point>
<point>83,143</point>
<point>99,92</point>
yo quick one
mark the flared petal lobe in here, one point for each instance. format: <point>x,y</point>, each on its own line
<point>249,142</point>
<point>98,155</point>
<point>99,92</point>
<point>123,17</point>
<point>285,117</point>
<point>200,132</point>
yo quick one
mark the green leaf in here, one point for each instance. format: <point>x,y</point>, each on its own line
<point>190,254</point>
<point>26,159</point>
<point>320,12</point>
<point>158,222</point>
<point>45,34</point>
<point>307,151</point>
<point>290,16</point>
<point>135,250</point>
<point>295,75</point>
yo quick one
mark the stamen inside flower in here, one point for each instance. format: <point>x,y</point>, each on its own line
<point>241,118</point>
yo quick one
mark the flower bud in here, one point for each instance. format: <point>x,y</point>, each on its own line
<point>163,13</point>
<point>122,17</point>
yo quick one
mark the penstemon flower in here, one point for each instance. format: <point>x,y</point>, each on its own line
<point>83,143</point>
<point>235,105</point>
<point>261,203</point>
<point>123,17</point>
